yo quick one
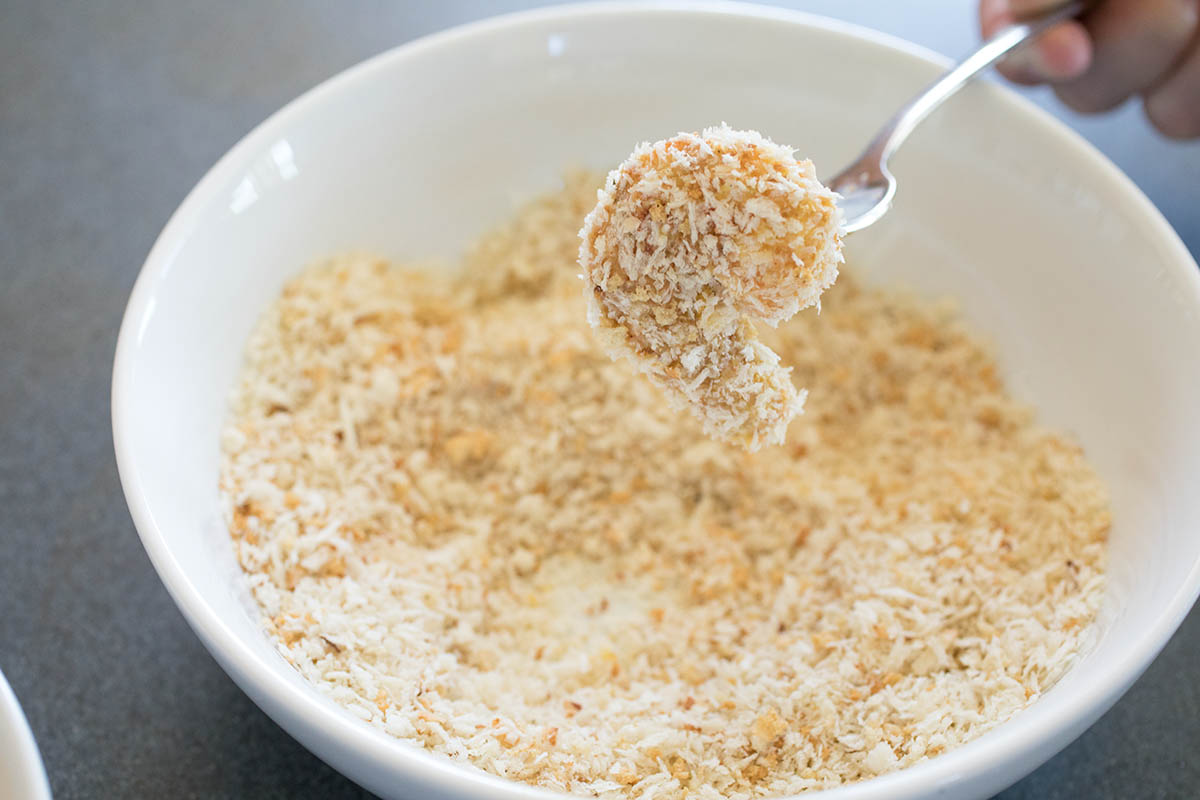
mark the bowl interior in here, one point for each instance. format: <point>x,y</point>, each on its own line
<point>1086,294</point>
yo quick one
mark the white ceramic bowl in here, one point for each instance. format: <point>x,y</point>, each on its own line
<point>22,776</point>
<point>1092,301</point>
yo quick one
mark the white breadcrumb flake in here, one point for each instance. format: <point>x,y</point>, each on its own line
<point>691,240</point>
<point>473,530</point>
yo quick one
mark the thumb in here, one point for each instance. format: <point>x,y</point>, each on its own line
<point>1061,53</point>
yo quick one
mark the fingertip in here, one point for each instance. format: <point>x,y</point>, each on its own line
<point>1173,120</point>
<point>1064,52</point>
<point>993,14</point>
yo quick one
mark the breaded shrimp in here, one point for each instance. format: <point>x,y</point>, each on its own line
<point>691,240</point>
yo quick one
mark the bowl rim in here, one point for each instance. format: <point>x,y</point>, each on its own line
<point>1033,742</point>
<point>24,758</point>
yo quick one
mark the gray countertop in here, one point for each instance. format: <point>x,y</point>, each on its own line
<point>109,112</point>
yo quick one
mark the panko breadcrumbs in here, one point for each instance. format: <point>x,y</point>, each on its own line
<point>469,527</point>
<point>691,240</point>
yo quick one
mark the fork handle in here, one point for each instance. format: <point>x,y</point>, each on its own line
<point>1004,41</point>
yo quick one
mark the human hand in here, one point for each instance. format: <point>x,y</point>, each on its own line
<point>1118,49</point>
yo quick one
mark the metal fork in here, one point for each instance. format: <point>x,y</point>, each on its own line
<point>867,186</point>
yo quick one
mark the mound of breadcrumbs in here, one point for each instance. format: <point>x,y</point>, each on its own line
<point>471,529</point>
